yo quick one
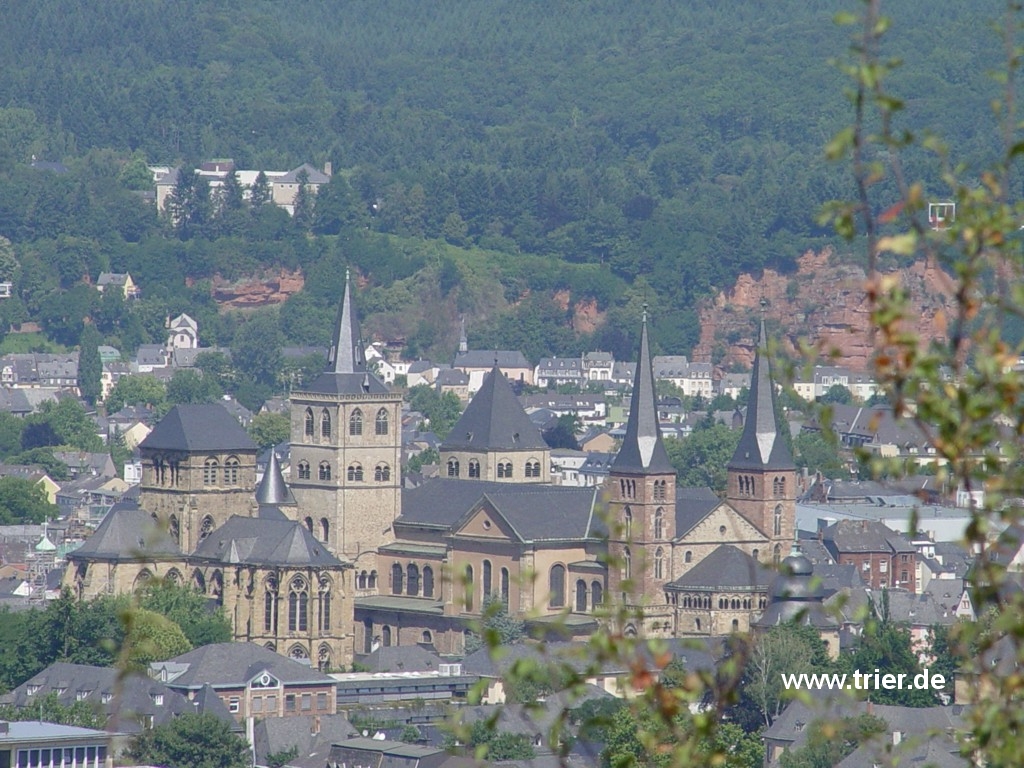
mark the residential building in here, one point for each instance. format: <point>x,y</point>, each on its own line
<point>559,371</point>
<point>597,366</point>
<point>477,364</point>
<point>118,281</point>
<point>884,559</point>
<point>34,744</point>
<point>182,333</point>
<point>694,379</point>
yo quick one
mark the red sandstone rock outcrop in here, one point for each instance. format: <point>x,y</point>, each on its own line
<point>271,288</point>
<point>824,303</point>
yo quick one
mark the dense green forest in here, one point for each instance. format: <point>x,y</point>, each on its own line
<point>486,154</point>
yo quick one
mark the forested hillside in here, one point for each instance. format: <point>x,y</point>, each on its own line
<point>498,148</point>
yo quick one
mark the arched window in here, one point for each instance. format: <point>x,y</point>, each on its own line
<point>324,658</point>
<point>581,596</point>
<point>627,523</point>
<point>777,554</point>
<point>688,557</point>
<point>205,527</point>
<point>469,587</point>
<point>533,469</point>
<point>325,607</point>
<point>755,553</point>
<point>474,468</point>
<point>556,586</point>
<point>325,471</point>
<point>309,422</point>
<point>270,606</point>
<point>412,580</point>
<point>373,580</point>
<point>659,564</point>
<point>627,564</point>
<point>659,523</point>
<point>426,637</point>
<point>453,467</point>
<point>382,473</point>
<point>596,594</point>
<point>396,579</point>
<point>381,424</point>
<point>504,587</point>
<point>309,524</point>
<point>361,580</point>
<point>487,578</point>
<point>325,423</point>
<point>325,529</point>
<point>174,529</point>
<point>735,625</point>
<point>428,581</point>
<point>231,471</point>
<point>298,606</point>
<point>304,473</point>
<point>355,422</point>
<point>355,473</point>
<point>504,469</point>
<point>777,524</point>
<point>210,467</point>
<point>385,636</point>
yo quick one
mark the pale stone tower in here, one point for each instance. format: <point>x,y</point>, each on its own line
<point>198,469</point>
<point>495,440</point>
<point>642,499</point>
<point>761,473</point>
<point>346,449</point>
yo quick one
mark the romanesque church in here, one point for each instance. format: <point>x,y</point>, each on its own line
<point>341,559</point>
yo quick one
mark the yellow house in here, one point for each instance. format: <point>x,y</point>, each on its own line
<point>118,281</point>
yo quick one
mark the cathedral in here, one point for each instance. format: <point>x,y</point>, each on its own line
<point>341,559</point>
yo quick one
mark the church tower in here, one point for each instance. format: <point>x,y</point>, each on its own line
<point>346,448</point>
<point>495,440</point>
<point>641,497</point>
<point>761,473</point>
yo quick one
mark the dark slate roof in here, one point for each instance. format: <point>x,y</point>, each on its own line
<point>229,664</point>
<point>851,536</point>
<point>503,358</point>
<point>642,450</point>
<point>346,372</point>
<point>311,735</point>
<point>692,506</point>
<point>727,567</point>
<point>265,541</point>
<point>535,512</point>
<point>127,533</point>
<point>273,490</point>
<point>207,427</point>
<point>124,699</point>
<point>494,420</point>
<point>401,658</point>
<point>761,446</point>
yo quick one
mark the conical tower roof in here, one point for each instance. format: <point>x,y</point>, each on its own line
<point>346,372</point>
<point>273,490</point>
<point>643,451</point>
<point>761,446</point>
<point>494,420</point>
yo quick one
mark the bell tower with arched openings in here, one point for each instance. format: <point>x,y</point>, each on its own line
<point>346,438</point>
<point>761,473</point>
<point>641,494</point>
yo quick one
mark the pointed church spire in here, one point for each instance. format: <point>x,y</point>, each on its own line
<point>642,450</point>
<point>761,446</point>
<point>463,341</point>
<point>346,354</point>
<point>273,490</point>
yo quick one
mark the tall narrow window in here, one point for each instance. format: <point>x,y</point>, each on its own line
<point>325,423</point>
<point>174,529</point>
<point>596,594</point>
<point>428,581</point>
<point>309,422</point>
<point>777,524</point>
<point>231,471</point>
<point>487,579</point>
<point>205,527</point>
<point>304,473</point>
<point>396,579</point>
<point>412,580</point>
<point>469,588</point>
<point>309,524</point>
<point>325,471</point>
<point>355,422</point>
<point>504,587</point>
<point>382,422</point>
<point>474,468</point>
<point>325,610</point>
<point>659,564</point>
<point>270,608</point>
<point>453,467</point>
<point>627,564</point>
<point>659,523</point>
<point>581,596</point>
<point>556,586</point>
<point>325,529</point>
<point>298,606</point>
<point>627,518</point>
<point>210,467</point>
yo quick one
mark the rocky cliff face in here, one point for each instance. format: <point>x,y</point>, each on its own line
<point>261,291</point>
<point>823,304</point>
